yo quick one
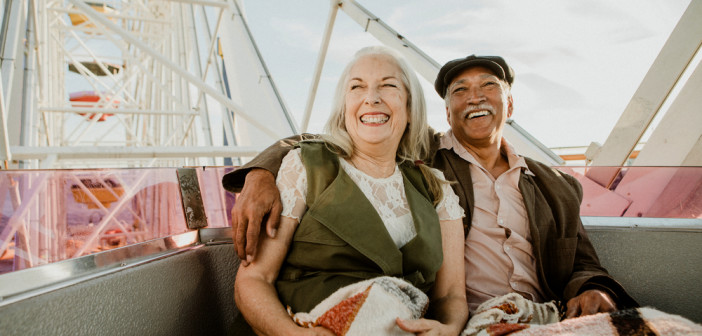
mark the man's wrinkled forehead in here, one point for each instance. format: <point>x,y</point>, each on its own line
<point>484,75</point>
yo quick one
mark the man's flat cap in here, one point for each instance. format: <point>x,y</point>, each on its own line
<point>453,68</point>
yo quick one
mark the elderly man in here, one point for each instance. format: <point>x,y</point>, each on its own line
<point>523,229</point>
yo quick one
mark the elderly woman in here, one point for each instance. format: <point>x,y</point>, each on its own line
<point>359,205</point>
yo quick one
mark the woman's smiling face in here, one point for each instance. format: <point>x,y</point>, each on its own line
<point>376,103</point>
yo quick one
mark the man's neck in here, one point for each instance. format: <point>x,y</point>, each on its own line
<point>489,156</point>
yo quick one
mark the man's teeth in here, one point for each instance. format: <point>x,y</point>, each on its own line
<point>374,119</point>
<point>478,114</point>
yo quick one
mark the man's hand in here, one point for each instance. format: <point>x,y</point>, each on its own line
<point>590,302</point>
<point>259,199</point>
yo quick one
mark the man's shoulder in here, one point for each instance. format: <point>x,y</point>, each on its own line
<point>540,168</point>
<point>535,163</point>
<point>442,155</point>
<point>549,175</point>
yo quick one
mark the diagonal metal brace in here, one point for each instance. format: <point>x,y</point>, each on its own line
<point>193,207</point>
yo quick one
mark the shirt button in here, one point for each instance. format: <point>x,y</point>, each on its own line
<point>507,248</point>
<point>500,221</point>
<point>514,284</point>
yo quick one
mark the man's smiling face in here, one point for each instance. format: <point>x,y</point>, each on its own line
<point>478,105</point>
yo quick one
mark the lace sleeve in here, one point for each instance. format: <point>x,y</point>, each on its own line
<point>448,208</point>
<point>292,183</point>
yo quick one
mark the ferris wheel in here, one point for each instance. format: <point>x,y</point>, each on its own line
<point>114,83</point>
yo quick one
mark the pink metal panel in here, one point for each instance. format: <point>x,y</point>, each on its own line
<point>51,215</point>
<point>661,192</point>
<point>218,202</point>
<point>672,192</point>
<point>597,200</point>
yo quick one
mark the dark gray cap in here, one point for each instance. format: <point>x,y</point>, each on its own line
<point>453,68</point>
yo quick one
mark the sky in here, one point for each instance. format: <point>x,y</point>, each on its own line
<point>577,63</point>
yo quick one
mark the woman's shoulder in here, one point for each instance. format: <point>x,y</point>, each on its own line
<point>311,141</point>
<point>292,159</point>
<point>315,146</point>
<point>317,152</point>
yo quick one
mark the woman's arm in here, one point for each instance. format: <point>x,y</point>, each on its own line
<point>448,299</point>
<point>254,289</point>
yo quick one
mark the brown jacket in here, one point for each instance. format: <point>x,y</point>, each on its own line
<point>567,264</point>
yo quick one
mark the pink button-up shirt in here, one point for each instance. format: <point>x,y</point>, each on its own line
<point>498,250</point>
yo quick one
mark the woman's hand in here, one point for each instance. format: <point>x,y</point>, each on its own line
<point>425,327</point>
<point>319,331</point>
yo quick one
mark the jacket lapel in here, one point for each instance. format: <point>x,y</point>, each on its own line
<point>458,170</point>
<point>536,228</point>
<point>427,242</point>
<point>339,208</point>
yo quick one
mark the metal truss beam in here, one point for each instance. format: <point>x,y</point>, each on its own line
<point>666,70</point>
<point>113,152</point>
<point>192,79</point>
<point>679,131</point>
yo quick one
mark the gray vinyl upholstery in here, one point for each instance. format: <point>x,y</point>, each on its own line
<point>191,293</point>
<point>660,269</point>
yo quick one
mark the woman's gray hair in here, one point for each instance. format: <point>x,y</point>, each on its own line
<point>414,144</point>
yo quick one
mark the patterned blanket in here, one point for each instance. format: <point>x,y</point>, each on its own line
<point>368,307</point>
<point>513,315</point>
<point>637,321</point>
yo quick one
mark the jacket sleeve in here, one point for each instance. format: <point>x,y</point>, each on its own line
<point>587,271</point>
<point>434,143</point>
<point>269,159</point>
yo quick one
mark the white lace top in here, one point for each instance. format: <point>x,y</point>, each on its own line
<point>386,194</point>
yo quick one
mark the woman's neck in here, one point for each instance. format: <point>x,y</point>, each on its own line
<point>378,166</point>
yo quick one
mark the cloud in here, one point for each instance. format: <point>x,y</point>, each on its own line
<point>577,62</point>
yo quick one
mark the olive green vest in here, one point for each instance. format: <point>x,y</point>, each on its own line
<point>342,240</point>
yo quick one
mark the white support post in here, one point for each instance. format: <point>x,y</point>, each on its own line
<point>669,65</point>
<point>676,135</point>
<point>676,143</point>
<point>201,103</point>
<point>11,63</point>
<point>333,9</point>
<point>11,42</point>
<point>250,82</point>
<point>226,115</point>
<point>4,140</point>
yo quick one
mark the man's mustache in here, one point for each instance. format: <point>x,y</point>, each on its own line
<point>480,107</point>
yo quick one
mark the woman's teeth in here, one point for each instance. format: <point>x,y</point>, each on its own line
<point>374,119</point>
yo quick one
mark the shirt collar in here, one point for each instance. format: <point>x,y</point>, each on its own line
<point>448,141</point>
